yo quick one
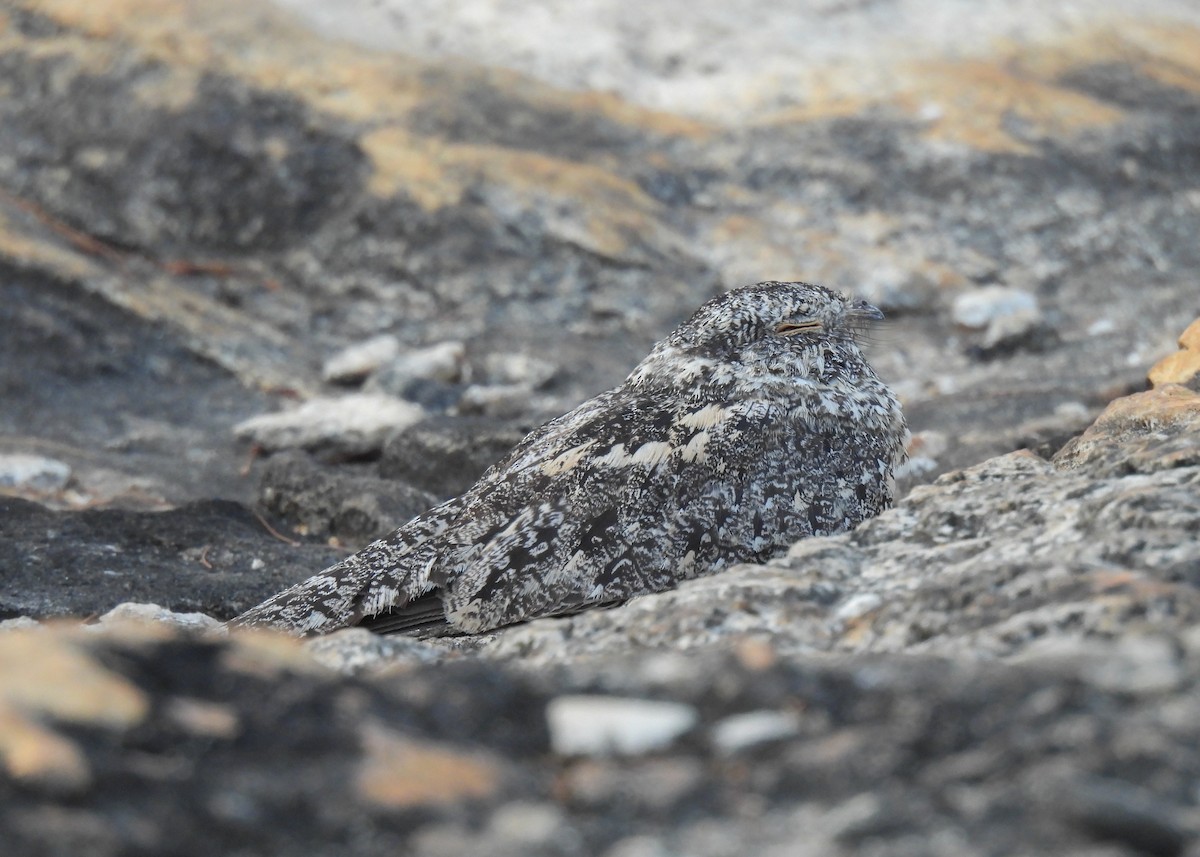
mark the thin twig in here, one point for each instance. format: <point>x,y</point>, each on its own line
<point>251,457</point>
<point>274,531</point>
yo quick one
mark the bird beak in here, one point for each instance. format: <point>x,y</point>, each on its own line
<point>863,311</point>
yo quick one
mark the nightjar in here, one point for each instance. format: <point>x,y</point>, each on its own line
<point>757,422</point>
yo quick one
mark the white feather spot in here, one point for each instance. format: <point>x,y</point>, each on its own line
<point>314,621</point>
<point>615,457</point>
<point>705,418</point>
<point>567,460</point>
<point>652,454</point>
<point>695,450</point>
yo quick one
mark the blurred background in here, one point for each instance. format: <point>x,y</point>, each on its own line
<point>474,215</point>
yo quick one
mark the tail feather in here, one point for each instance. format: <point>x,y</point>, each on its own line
<point>384,576</point>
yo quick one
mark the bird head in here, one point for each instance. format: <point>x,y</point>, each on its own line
<point>777,331</point>
<point>772,317</point>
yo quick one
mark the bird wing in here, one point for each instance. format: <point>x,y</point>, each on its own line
<point>630,500</point>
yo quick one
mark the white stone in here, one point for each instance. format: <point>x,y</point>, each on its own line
<point>445,361</point>
<point>739,731</point>
<point>357,423</point>
<point>357,361</point>
<point>858,605</point>
<point>606,725</point>
<point>518,369</point>
<point>1140,664</point>
<point>141,613</point>
<point>979,308</point>
<point>502,400</point>
<point>19,470</point>
<point>534,825</point>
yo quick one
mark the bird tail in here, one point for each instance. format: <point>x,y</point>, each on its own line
<point>384,576</point>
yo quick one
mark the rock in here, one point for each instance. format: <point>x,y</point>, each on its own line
<point>350,426</point>
<point>1182,367</point>
<point>445,361</point>
<point>1145,665</point>
<point>318,501</point>
<point>501,401</point>
<point>1024,330</point>
<point>216,558</point>
<point>203,201</point>
<point>152,614</point>
<point>446,456</point>
<point>33,473</point>
<point>981,308</point>
<point>1145,432</point>
<point>355,651</point>
<point>1009,318</point>
<point>436,397</point>
<point>1117,811</point>
<point>599,725</point>
<point>741,731</point>
<point>431,377</point>
<point>355,362</point>
<point>452,757</point>
<point>501,369</point>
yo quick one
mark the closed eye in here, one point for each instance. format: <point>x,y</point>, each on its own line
<point>791,328</point>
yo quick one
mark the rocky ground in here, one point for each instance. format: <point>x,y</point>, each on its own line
<point>272,280</point>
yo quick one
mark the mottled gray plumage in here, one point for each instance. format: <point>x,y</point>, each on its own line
<point>756,423</point>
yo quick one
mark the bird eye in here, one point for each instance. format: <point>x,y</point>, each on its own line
<point>791,328</point>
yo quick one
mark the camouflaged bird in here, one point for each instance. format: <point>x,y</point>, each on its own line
<point>756,423</point>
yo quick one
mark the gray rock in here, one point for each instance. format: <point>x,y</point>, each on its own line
<point>980,308</point>
<point>502,401</point>
<point>217,558</point>
<point>351,425</point>
<point>444,361</point>
<point>136,613</point>
<point>321,501</point>
<point>445,456</point>
<point>354,651</point>
<point>355,362</point>
<point>507,368</point>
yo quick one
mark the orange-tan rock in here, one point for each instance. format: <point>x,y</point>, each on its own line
<point>1182,367</point>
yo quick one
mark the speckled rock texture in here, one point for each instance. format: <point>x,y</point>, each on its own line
<point>262,214</point>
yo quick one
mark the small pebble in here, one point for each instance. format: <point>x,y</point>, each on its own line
<point>132,611</point>
<point>19,623</point>
<point>354,425</point>
<point>518,369</point>
<point>979,308</point>
<point>606,725</point>
<point>503,401</point>
<point>35,472</point>
<point>740,731</point>
<point>357,361</point>
<point>445,361</point>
